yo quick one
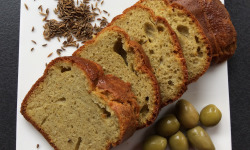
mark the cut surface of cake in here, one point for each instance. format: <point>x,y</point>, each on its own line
<point>75,106</point>
<point>125,59</point>
<point>161,45</point>
<point>195,45</point>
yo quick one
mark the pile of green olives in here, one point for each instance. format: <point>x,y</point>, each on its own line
<point>186,118</point>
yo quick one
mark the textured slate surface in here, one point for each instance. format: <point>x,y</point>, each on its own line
<point>9,40</point>
<point>239,73</point>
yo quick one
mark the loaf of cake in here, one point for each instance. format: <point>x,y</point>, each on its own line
<point>195,45</point>
<point>75,106</point>
<point>125,59</point>
<point>214,18</point>
<point>161,45</point>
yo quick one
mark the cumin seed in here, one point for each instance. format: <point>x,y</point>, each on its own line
<point>63,48</point>
<point>47,11</point>
<point>41,8</point>
<point>33,29</point>
<point>50,54</point>
<point>33,41</point>
<point>44,45</point>
<point>58,51</point>
<point>26,6</point>
<point>41,13</point>
<point>32,49</point>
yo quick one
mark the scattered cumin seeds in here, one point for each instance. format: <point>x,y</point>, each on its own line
<point>44,45</point>
<point>105,11</point>
<point>32,49</point>
<point>26,6</point>
<point>32,29</point>
<point>33,41</point>
<point>37,146</point>
<point>75,21</point>
<point>50,54</point>
<point>102,2</point>
<point>58,39</point>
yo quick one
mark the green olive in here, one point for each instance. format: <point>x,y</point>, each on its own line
<point>178,141</point>
<point>210,115</point>
<point>186,114</point>
<point>199,138</point>
<point>167,126</point>
<point>155,142</point>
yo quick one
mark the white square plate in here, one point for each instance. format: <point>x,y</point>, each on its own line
<point>212,88</point>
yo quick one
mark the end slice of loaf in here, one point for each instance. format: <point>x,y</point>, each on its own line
<point>75,106</point>
<point>214,18</point>
<point>161,46</point>
<point>113,50</point>
<point>195,45</point>
<point>222,28</point>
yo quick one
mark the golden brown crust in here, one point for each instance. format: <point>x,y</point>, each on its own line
<point>177,50</point>
<point>216,23</point>
<point>120,99</point>
<point>143,65</point>
<point>222,28</point>
<point>127,112</point>
<point>195,8</point>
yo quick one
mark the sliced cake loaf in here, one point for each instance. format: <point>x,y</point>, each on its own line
<point>75,106</point>
<point>214,18</point>
<point>161,45</point>
<point>195,45</point>
<point>125,59</point>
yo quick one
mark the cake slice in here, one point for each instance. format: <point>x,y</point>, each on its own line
<point>75,106</point>
<point>113,50</point>
<point>195,45</point>
<point>214,17</point>
<point>161,45</point>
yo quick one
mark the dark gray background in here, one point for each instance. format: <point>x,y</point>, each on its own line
<point>239,73</point>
